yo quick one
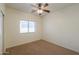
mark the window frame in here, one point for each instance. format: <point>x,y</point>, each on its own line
<point>28,26</point>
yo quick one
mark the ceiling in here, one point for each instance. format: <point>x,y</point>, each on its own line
<point>26,7</point>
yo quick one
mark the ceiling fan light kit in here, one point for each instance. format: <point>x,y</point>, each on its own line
<point>39,11</point>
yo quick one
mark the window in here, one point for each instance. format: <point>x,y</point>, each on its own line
<point>31,26</point>
<point>27,26</point>
<point>23,26</point>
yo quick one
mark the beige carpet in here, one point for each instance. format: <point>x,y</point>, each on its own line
<point>39,47</point>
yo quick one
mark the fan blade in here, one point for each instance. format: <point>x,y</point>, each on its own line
<point>34,8</point>
<point>46,11</point>
<point>34,5</point>
<point>39,5</point>
<point>46,4</point>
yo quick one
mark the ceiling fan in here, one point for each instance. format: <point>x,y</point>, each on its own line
<point>40,8</point>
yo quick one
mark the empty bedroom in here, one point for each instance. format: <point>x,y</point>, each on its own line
<point>39,28</point>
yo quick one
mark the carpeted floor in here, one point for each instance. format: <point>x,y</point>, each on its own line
<point>39,47</point>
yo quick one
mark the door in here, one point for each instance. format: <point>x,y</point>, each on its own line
<point>1,32</point>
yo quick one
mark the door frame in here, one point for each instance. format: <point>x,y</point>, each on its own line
<point>2,31</point>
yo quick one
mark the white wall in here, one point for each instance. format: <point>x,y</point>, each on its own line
<point>62,27</point>
<point>11,28</point>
